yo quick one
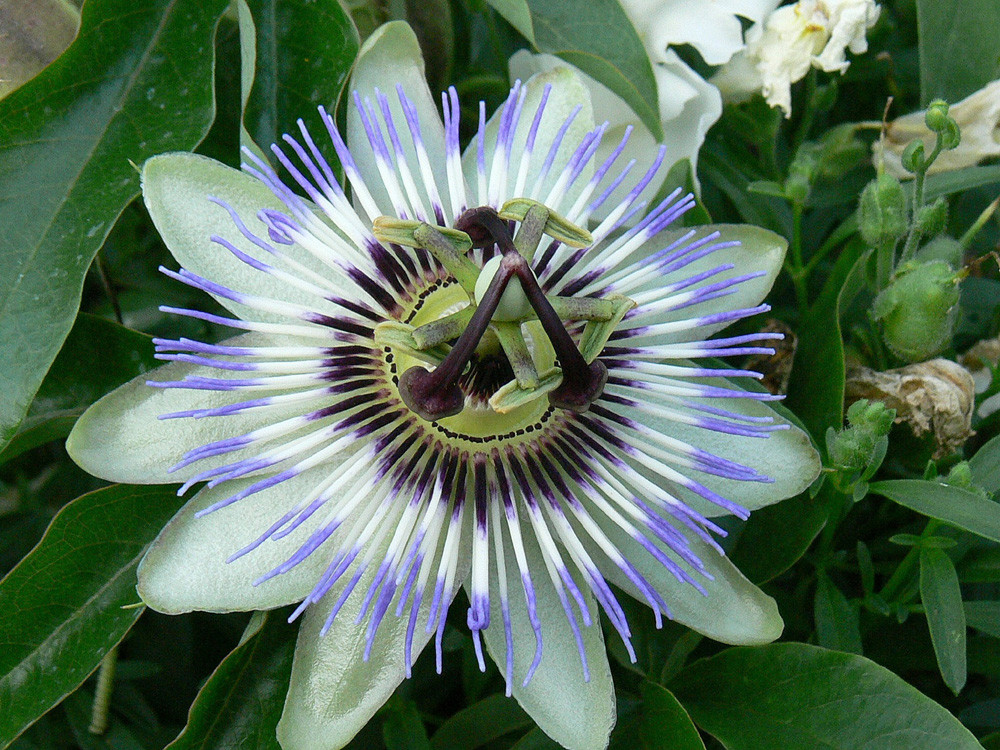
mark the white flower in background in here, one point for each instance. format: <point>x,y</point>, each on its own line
<point>978,118</point>
<point>445,383</point>
<point>780,51</point>
<point>688,104</point>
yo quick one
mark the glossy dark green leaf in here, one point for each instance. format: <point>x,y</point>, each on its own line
<point>403,728</point>
<point>97,357</point>
<point>72,598</point>
<point>663,722</point>
<point>536,739</point>
<point>942,599</point>
<point>777,535</point>
<point>985,465</point>
<point>983,616</point>
<point>517,14</point>
<point>34,34</point>
<point>597,37</point>
<point>946,183</point>
<point>953,505</point>
<point>959,47</point>
<point>240,705</point>
<point>981,565</point>
<point>799,697</point>
<point>816,385</point>
<point>304,50</point>
<point>837,624</point>
<point>481,723</point>
<point>137,81</point>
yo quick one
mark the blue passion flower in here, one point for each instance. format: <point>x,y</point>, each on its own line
<point>446,376</point>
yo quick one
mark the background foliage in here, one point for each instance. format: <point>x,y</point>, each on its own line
<point>886,574</point>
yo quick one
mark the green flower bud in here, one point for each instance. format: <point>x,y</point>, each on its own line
<point>936,117</point>
<point>950,135</point>
<point>931,220</point>
<point>882,211</point>
<point>913,156</point>
<point>943,248</point>
<point>856,447</point>
<point>918,310</point>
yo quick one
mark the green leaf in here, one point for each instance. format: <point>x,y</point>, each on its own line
<point>75,380</point>
<point>481,723</point>
<point>942,600</point>
<point>517,14</point>
<point>953,505</point>
<point>34,35</point>
<point>816,385</point>
<point>403,728</point>
<point>947,183</point>
<point>980,565</point>
<point>597,37</point>
<point>536,739</point>
<point>959,47</point>
<point>663,722</point>
<point>137,81</point>
<point>985,465</point>
<point>837,624</point>
<point>983,616</point>
<point>241,703</point>
<point>777,535</point>
<point>799,697</point>
<point>64,604</point>
<point>304,50</point>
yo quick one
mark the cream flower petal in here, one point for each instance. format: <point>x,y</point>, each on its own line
<point>390,64</point>
<point>575,708</point>
<point>341,677</point>
<point>192,565</point>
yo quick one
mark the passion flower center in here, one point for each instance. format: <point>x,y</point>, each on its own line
<point>505,295</point>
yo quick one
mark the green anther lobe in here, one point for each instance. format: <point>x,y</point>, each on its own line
<point>516,349</point>
<point>442,330</point>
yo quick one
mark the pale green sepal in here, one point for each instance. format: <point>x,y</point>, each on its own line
<point>176,189</point>
<point>567,93</point>
<point>333,691</point>
<point>389,57</point>
<point>185,569</point>
<point>760,250</point>
<point>732,610</point>
<point>121,438</point>
<point>786,456</point>
<point>578,715</point>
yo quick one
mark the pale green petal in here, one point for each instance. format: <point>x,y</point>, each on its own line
<point>389,57</point>
<point>733,611</point>
<point>568,92</point>
<point>688,108</point>
<point>121,438</point>
<point>176,189</point>
<point>185,569</point>
<point>759,251</point>
<point>786,456</point>
<point>579,715</point>
<point>333,690</point>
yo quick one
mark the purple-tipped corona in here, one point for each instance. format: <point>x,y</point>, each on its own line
<point>378,437</point>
